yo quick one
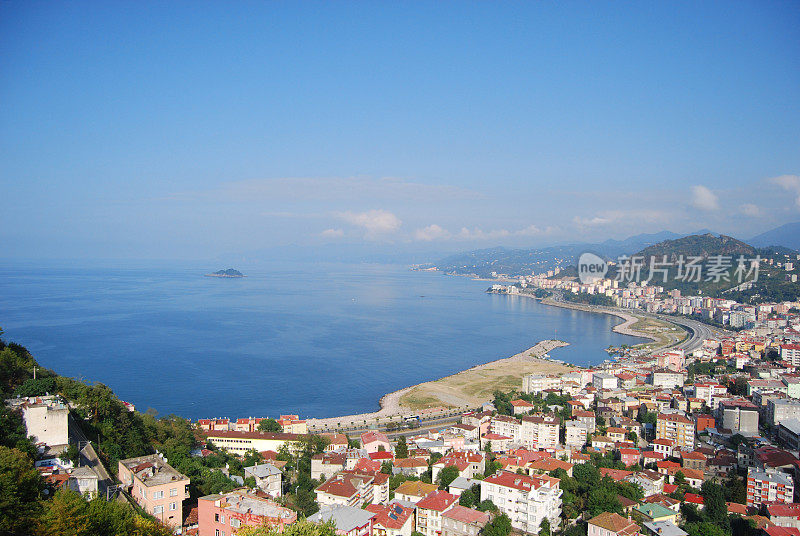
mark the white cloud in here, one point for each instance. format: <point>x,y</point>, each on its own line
<point>332,233</point>
<point>790,183</point>
<point>432,232</point>
<point>436,232</point>
<point>704,199</point>
<point>374,222</point>
<point>591,222</point>
<point>749,209</point>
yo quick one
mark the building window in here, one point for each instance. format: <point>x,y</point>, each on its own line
<point>216,532</point>
<point>222,519</point>
<point>158,494</point>
<point>158,509</point>
<point>173,506</point>
<point>235,523</point>
<point>173,492</point>
<point>216,518</point>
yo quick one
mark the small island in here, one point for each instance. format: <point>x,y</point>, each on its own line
<point>230,272</point>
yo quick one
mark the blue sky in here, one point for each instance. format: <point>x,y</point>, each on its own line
<point>194,130</point>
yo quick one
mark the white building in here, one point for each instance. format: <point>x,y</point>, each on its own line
<point>525,499</point>
<point>540,431</point>
<point>537,383</point>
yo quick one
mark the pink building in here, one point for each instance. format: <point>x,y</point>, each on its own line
<point>225,513</point>
<point>373,441</point>
<point>158,488</point>
<point>629,456</point>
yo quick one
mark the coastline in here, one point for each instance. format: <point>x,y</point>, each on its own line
<point>391,404</point>
<point>623,328</point>
<point>453,392</point>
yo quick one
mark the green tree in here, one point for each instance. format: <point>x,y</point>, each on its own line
<point>499,526</point>
<point>544,527</point>
<point>446,476</point>
<point>603,499</point>
<point>679,479</point>
<point>467,499</point>
<point>20,490</point>
<point>704,529</point>
<point>714,508</point>
<point>487,506</point>
<point>269,426</point>
<point>301,528</point>
<point>401,450</point>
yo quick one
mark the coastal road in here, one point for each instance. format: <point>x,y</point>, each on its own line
<point>698,331</point>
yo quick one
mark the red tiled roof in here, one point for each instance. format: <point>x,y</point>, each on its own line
<point>466,515</point>
<point>439,501</point>
<point>693,498</point>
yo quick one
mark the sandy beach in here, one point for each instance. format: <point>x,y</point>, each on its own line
<point>472,387</point>
<point>466,389</point>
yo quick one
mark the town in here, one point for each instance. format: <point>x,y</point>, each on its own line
<point>678,442</point>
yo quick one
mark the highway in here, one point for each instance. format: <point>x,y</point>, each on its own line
<point>698,331</point>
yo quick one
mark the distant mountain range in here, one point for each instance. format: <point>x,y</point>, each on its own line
<point>483,262</point>
<point>786,235</point>
<point>500,260</point>
<point>698,245</point>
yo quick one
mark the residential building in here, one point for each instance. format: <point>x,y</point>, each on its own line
<point>346,488</point>
<point>779,410</point>
<point>468,464</point>
<point>710,393</point>
<point>789,434</point>
<point>375,442</point>
<point>158,488</point>
<point>575,434</point>
<point>268,478</point>
<point>225,513</point>
<point>587,418</point>
<point>739,416</point>
<point>785,515</point>
<point>663,528</point>
<point>461,521</point>
<point>791,353</point>
<point>525,499</point>
<point>666,379</point>
<point>601,380</point>
<point>521,406</point>
<point>540,431</point>
<point>611,524</point>
<point>414,491</point>
<point>293,424</point>
<point>392,519</point>
<point>538,383</point>
<point>430,511</point>
<point>46,420</point>
<point>768,487</point>
<point>348,520</point>
<point>677,428</point>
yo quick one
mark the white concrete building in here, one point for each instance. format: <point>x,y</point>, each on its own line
<point>525,499</point>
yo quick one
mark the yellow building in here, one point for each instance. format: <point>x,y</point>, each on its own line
<point>677,428</point>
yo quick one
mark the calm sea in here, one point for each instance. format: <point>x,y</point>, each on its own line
<point>318,340</point>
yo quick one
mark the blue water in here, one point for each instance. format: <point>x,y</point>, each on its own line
<point>317,340</point>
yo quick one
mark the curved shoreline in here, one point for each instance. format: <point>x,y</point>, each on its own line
<point>390,405</point>
<point>623,328</point>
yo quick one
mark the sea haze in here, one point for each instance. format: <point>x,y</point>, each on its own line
<point>318,340</point>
